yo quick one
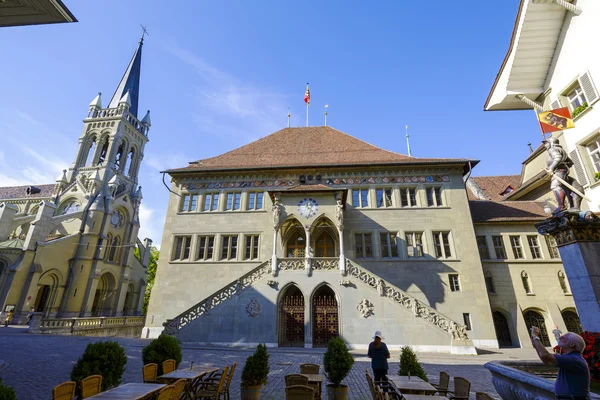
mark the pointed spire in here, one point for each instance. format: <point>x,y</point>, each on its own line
<point>130,82</point>
<point>126,99</point>
<point>63,177</point>
<point>146,119</point>
<point>97,102</point>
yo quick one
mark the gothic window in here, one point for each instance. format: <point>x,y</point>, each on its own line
<point>563,282</point>
<point>109,239</point>
<point>572,322</point>
<point>114,246</point>
<point>119,156</point>
<point>533,318</point>
<point>129,168</point>
<point>70,207</point>
<point>414,244</point>
<point>501,328</point>
<point>103,152</point>
<point>90,153</point>
<point>296,245</point>
<point>325,246</point>
<point>526,283</point>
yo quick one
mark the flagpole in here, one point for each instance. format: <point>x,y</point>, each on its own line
<point>326,106</point>
<point>408,142</point>
<point>307,115</point>
<point>289,115</point>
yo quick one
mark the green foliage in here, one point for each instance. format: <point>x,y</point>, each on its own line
<point>337,361</point>
<point>163,348</point>
<point>256,369</point>
<point>154,254</point>
<point>579,109</point>
<point>7,393</point>
<point>597,176</point>
<point>409,365</point>
<point>101,358</point>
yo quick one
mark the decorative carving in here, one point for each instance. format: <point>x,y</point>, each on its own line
<point>290,263</point>
<point>325,263</point>
<point>277,206</point>
<point>345,282</point>
<point>339,214</point>
<point>365,308</point>
<point>381,287</point>
<point>272,283</point>
<point>253,308</point>
<point>571,226</point>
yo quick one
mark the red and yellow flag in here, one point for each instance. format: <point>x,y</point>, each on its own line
<point>555,120</point>
<point>307,96</point>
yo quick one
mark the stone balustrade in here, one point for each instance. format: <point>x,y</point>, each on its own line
<point>92,326</point>
<point>117,112</point>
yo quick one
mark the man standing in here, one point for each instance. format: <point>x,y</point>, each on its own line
<point>573,381</point>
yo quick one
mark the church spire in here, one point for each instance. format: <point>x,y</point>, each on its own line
<point>130,82</point>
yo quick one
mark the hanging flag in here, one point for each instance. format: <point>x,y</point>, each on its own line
<point>307,96</point>
<point>555,120</point>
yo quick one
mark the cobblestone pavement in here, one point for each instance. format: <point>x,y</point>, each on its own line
<point>34,364</point>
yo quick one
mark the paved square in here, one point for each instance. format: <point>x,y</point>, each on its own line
<point>34,364</point>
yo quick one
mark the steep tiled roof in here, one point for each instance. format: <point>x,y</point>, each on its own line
<point>19,192</point>
<point>304,147</point>
<point>494,186</point>
<point>491,211</point>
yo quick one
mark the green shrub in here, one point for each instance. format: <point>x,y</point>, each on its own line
<point>163,348</point>
<point>7,393</point>
<point>337,361</point>
<point>101,358</point>
<point>256,368</point>
<point>409,365</point>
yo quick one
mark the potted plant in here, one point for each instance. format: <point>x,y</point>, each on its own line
<point>255,372</point>
<point>409,364</point>
<point>337,363</point>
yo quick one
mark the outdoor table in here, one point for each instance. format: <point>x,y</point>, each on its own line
<point>417,397</point>
<point>414,385</point>
<point>193,379</point>
<point>315,380</point>
<point>130,391</point>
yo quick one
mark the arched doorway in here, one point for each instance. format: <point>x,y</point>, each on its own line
<point>296,245</point>
<point>42,297</point>
<point>127,305</point>
<point>104,296</point>
<point>502,330</point>
<point>534,318</point>
<point>325,245</point>
<point>291,318</point>
<point>325,322</point>
<point>572,321</point>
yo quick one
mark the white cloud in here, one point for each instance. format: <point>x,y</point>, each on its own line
<point>151,224</point>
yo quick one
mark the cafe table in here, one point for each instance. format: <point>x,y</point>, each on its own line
<point>130,391</point>
<point>193,379</point>
<point>316,381</point>
<point>412,385</point>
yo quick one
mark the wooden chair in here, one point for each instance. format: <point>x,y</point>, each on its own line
<point>299,392</point>
<point>179,386</point>
<point>64,391</point>
<point>462,388</point>
<point>215,378</point>
<point>483,396</point>
<point>296,380</point>
<point>168,366</point>
<point>444,382</point>
<point>166,392</point>
<point>91,386</point>
<point>309,369</point>
<point>379,390</point>
<point>213,390</point>
<point>149,372</point>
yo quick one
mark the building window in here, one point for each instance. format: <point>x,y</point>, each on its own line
<point>534,246</point>
<point>434,197</point>
<point>389,244</point>
<point>515,243</point>
<point>526,282</point>
<point>563,283</point>
<point>454,283</point>
<point>593,150</point>
<point>255,201</point>
<point>233,201</point>
<point>441,243</point>
<point>363,245</point>
<point>484,252</point>
<point>185,202</point>
<point>499,247</point>
<point>205,247</point>
<point>384,197</point>
<point>360,198</point>
<point>229,247</point>
<point>576,97</point>
<point>551,242</point>
<point>414,244</point>
<point>489,283</point>
<point>182,248</point>
<point>189,202</point>
<point>467,319</point>
<point>251,247</point>
<point>211,202</point>
<point>408,197</point>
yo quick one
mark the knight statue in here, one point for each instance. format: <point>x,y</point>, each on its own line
<point>558,164</point>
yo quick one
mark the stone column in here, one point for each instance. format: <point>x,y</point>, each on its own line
<point>307,252</point>
<point>577,235</point>
<point>7,214</point>
<point>339,216</point>
<point>274,256</point>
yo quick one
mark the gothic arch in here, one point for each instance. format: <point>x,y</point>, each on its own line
<point>291,316</point>
<point>89,152</point>
<point>102,148</point>
<point>502,327</point>
<point>572,321</point>
<point>48,284</point>
<point>121,154</point>
<point>325,311</point>
<point>536,317</point>
<point>105,292</point>
<point>130,162</point>
<point>323,225</point>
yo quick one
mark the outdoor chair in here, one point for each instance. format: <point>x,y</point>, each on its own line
<point>64,391</point>
<point>149,372</point>
<point>483,396</point>
<point>91,386</point>
<point>379,389</point>
<point>214,390</point>
<point>444,382</point>
<point>168,366</point>
<point>299,392</point>
<point>295,380</point>
<point>462,388</point>
<point>179,386</point>
<point>217,377</point>
<point>165,393</point>
<point>309,369</point>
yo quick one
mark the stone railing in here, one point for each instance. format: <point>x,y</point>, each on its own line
<point>93,326</point>
<point>325,263</point>
<point>172,326</point>
<point>115,112</point>
<point>290,263</point>
<point>420,310</point>
<point>320,263</point>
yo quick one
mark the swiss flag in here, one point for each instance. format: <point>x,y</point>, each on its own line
<point>307,96</point>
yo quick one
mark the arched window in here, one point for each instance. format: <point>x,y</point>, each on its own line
<point>90,153</point>
<point>129,163</point>
<point>534,318</point>
<point>113,248</point>
<point>119,156</point>
<point>325,246</point>
<point>103,152</point>
<point>296,245</point>
<point>489,282</point>
<point>526,283</point>
<point>502,330</point>
<point>563,282</point>
<point>572,321</point>
<point>109,239</point>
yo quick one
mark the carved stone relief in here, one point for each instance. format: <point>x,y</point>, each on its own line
<point>253,308</point>
<point>365,308</point>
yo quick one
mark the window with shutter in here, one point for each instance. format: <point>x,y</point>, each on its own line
<point>591,94</point>
<point>579,171</point>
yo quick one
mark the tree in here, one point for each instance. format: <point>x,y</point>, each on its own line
<point>154,253</point>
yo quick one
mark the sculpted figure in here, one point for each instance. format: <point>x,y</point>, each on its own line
<point>558,164</point>
<point>277,206</point>
<point>381,287</point>
<point>339,214</point>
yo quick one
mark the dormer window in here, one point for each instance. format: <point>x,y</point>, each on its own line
<point>507,190</point>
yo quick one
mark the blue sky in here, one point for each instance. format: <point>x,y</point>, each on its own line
<point>219,74</point>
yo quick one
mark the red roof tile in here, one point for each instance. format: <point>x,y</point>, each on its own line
<point>491,211</point>
<point>302,147</point>
<point>494,186</point>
